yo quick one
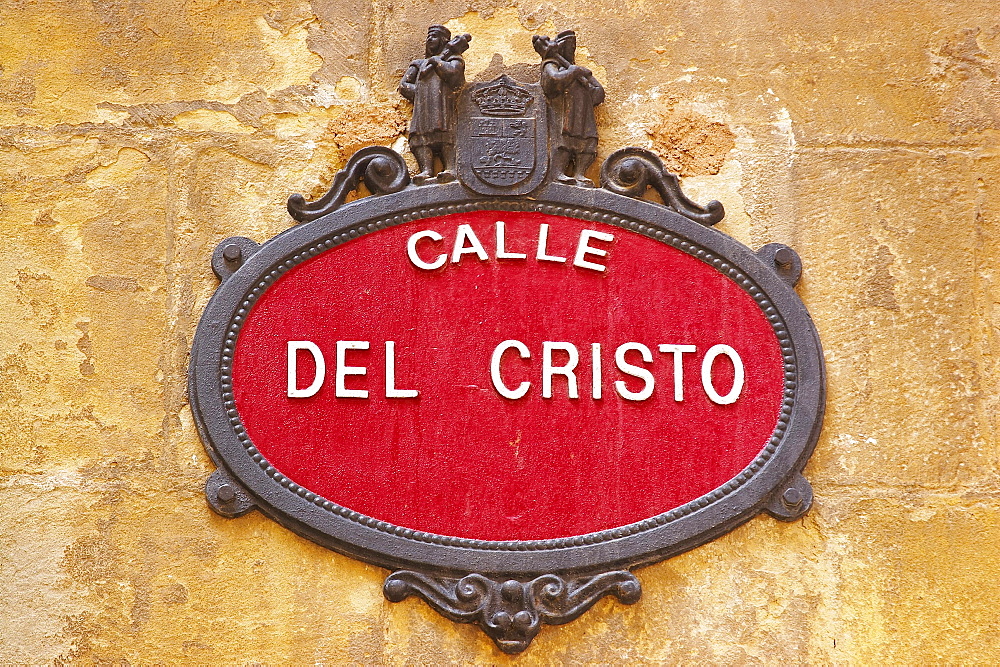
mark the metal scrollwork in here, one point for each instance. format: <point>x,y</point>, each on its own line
<point>511,612</point>
<point>383,171</point>
<point>630,171</point>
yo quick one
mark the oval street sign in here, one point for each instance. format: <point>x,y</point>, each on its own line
<point>506,385</point>
<point>507,375</point>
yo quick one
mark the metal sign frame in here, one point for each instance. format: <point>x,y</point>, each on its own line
<point>509,588</point>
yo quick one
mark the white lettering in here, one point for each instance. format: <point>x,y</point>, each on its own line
<point>634,371</point>
<point>501,244</point>
<point>677,351</point>
<point>706,374</point>
<point>343,370</point>
<point>543,241</point>
<point>522,350</point>
<point>390,375</point>
<point>293,347</point>
<point>548,370</point>
<point>583,249</point>
<point>411,250</point>
<point>595,376</point>
<point>464,234</point>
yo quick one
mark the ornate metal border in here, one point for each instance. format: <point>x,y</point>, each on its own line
<point>775,470</point>
<point>509,588</point>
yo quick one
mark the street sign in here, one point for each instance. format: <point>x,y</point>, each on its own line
<point>510,401</point>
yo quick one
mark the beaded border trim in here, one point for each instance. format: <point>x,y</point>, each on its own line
<point>650,231</point>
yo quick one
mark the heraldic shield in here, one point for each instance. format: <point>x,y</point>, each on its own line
<point>503,138</point>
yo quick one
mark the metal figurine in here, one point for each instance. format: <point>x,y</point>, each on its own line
<point>574,92</point>
<point>431,83</point>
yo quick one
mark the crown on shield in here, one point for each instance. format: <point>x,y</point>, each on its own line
<point>502,98</point>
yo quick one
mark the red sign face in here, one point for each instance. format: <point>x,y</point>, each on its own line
<point>502,375</point>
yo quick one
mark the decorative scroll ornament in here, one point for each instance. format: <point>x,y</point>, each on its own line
<point>383,171</point>
<point>631,171</point>
<point>495,157</point>
<point>511,612</point>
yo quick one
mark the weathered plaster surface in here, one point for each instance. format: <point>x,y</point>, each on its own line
<point>136,135</point>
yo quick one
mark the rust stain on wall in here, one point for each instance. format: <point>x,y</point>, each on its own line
<point>690,143</point>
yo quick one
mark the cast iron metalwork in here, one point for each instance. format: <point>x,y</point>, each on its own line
<point>230,255</point>
<point>791,499</point>
<point>785,261</point>
<point>431,84</point>
<point>752,491</point>
<point>573,92</point>
<point>503,132</point>
<point>509,588</point>
<point>510,611</point>
<point>227,497</point>
<point>383,171</point>
<point>632,171</point>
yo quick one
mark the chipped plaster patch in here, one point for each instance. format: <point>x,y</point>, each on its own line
<point>126,163</point>
<point>210,120</point>
<point>690,143</point>
<point>923,514</point>
<point>496,34</point>
<point>503,33</point>
<point>325,95</point>
<point>348,89</point>
<point>293,61</point>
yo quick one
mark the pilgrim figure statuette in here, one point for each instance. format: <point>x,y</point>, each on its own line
<point>573,93</point>
<point>432,83</point>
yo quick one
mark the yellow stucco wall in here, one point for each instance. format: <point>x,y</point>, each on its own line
<point>136,135</point>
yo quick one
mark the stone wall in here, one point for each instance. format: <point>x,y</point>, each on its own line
<point>134,136</point>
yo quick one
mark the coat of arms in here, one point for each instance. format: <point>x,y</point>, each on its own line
<point>504,137</point>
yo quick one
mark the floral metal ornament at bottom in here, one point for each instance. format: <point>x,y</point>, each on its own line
<point>511,612</point>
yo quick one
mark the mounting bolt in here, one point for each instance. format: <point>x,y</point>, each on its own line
<point>502,619</point>
<point>226,493</point>
<point>232,252</point>
<point>791,498</point>
<point>394,590</point>
<point>629,591</point>
<point>784,257</point>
